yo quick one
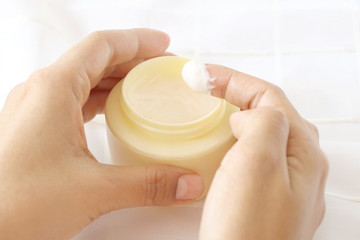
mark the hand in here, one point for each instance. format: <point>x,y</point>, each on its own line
<point>51,185</point>
<point>270,184</point>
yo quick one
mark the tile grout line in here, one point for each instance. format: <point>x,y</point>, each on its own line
<point>356,34</point>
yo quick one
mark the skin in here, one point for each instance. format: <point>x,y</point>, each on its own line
<point>270,184</point>
<point>51,185</point>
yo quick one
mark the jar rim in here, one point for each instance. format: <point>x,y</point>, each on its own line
<point>190,128</point>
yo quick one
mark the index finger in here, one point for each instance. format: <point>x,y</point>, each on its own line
<point>248,92</point>
<point>84,64</point>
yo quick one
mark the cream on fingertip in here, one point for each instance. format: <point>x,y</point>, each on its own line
<point>197,77</point>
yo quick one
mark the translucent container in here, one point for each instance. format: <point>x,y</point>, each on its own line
<point>153,117</point>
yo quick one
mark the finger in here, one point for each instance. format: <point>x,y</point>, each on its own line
<point>262,142</point>
<point>121,70</point>
<point>94,105</point>
<point>169,54</point>
<point>248,92</point>
<point>147,186</point>
<point>106,84</point>
<point>252,166</point>
<point>112,76</point>
<point>85,64</point>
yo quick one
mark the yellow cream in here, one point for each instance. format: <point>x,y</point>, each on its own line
<point>167,100</point>
<point>153,117</point>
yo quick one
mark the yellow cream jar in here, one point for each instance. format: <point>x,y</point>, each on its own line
<point>153,117</point>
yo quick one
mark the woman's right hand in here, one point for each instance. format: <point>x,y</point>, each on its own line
<point>270,184</point>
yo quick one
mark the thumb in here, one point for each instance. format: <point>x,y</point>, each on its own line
<point>157,185</point>
<point>250,167</point>
<point>262,135</point>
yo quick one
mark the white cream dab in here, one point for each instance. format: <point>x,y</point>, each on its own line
<point>196,76</point>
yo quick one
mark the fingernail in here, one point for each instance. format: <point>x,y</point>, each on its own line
<point>189,187</point>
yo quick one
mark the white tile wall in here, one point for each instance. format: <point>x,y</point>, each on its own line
<point>317,4</point>
<point>322,84</point>
<point>314,29</point>
<point>311,48</point>
<point>237,32</point>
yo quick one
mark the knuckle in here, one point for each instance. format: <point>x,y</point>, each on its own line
<point>320,166</point>
<point>98,37</point>
<point>39,79</point>
<point>313,128</point>
<point>97,34</point>
<point>274,116</point>
<point>235,118</point>
<point>39,74</point>
<point>155,186</point>
<point>16,95</point>
<point>102,40</point>
<point>44,84</point>
<point>18,90</point>
<point>30,87</point>
<point>324,165</point>
<point>46,81</point>
<point>276,90</point>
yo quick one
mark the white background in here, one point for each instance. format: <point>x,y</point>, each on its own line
<point>311,48</point>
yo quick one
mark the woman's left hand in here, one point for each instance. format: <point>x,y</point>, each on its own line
<point>51,186</point>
